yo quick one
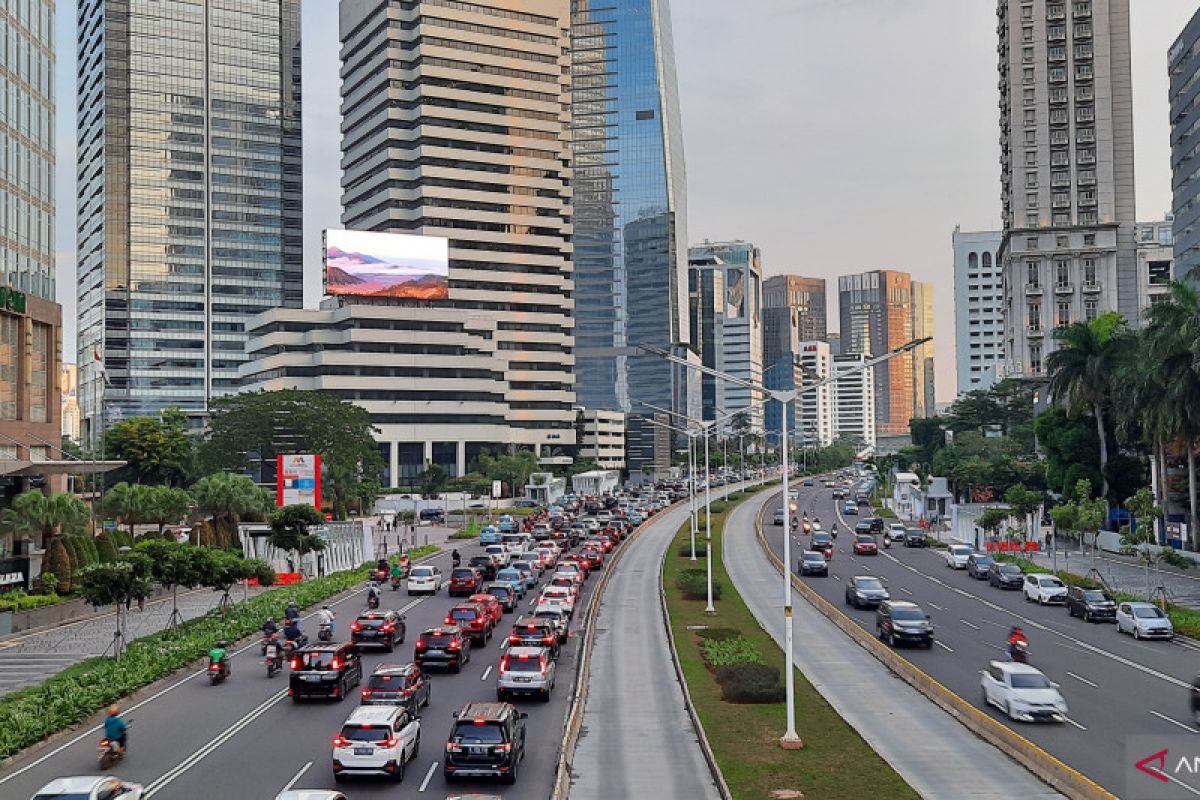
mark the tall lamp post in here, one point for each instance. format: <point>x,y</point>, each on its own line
<point>692,511</point>
<point>790,739</point>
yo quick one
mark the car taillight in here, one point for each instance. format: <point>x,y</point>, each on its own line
<point>453,646</point>
<point>504,748</point>
<point>340,742</point>
<point>295,663</point>
<point>389,743</point>
<point>514,639</point>
<point>355,626</point>
<point>448,621</point>
<point>336,664</point>
<point>547,640</point>
<point>504,664</point>
<point>453,747</point>
<point>366,692</point>
<point>421,645</point>
<point>389,628</point>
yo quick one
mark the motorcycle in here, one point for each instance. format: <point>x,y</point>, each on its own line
<point>325,632</point>
<point>372,601</point>
<point>381,575</point>
<point>274,659</point>
<point>109,752</point>
<point>887,542</point>
<point>1018,651</point>
<point>828,553</point>
<point>395,582</point>
<point>217,671</point>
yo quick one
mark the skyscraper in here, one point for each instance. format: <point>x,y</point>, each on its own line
<point>876,310</point>
<point>1183,65</point>
<point>922,356</point>
<point>978,308</point>
<point>189,195</point>
<point>854,399</point>
<point>706,300</point>
<point>806,295</point>
<point>1066,140</point>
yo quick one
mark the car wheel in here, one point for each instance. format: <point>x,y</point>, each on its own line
<point>1137,632</point>
<point>458,665</point>
<point>416,748</point>
<point>891,639</point>
<point>1041,601</point>
<point>391,648</point>
<point>399,775</point>
<point>512,774</point>
<point>1008,709</point>
<point>1087,615</point>
<point>339,777</point>
<point>342,690</point>
<point>879,632</point>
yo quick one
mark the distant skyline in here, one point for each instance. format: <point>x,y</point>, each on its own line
<point>831,165</point>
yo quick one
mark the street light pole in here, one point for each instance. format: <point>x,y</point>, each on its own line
<point>708,609</point>
<point>791,740</point>
<point>692,489</point>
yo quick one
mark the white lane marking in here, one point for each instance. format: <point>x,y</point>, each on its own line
<point>1083,680</point>
<point>486,672</point>
<point>504,645</point>
<point>992,645</point>
<point>934,605</point>
<point>428,777</point>
<point>157,785</point>
<point>1073,722</point>
<point>1172,779</point>
<point>906,591</point>
<point>411,604</point>
<point>835,577</point>
<point>296,777</point>
<point>944,647</point>
<point>969,624</point>
<point>1165,718</point>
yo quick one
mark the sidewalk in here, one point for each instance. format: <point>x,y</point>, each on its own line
<point>936,755</point>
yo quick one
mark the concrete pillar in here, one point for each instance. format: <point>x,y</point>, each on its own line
<point>427,459</point>
<point>394,469</point>
<point>462,458</point>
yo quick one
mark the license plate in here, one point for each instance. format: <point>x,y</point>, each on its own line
<point>272,652</point>
<point>478,751</point>
<point>521,680</point>
<point>369,634</point>
<point>364,751</point>
<point>436,652</point>
<point>311,678</point>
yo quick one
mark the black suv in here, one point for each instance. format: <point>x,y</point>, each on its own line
<point>978,565</point>
<point>383,628</point>
<point>324,670</point>
<point>487,740</point>
<point>444,646</point>
<point>485,565</point>
<point>899,621</point>
<point>535,632</point>
<point>1091,604</point>
<point>1005,576</point>
<point>398,685</point>
<point>915,539</point>
<point>505,593</point>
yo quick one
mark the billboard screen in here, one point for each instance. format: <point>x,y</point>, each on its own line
<point>298,480</point>
<point>368,264</point>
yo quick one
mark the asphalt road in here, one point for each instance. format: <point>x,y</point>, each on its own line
<point>245,739</point>
<point>1115,687</point>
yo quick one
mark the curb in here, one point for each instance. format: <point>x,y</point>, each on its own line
<point>1049,769</point>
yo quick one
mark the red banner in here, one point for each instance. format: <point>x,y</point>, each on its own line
<point>1011,547</point>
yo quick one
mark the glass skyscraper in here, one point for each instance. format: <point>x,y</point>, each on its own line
<point>629,192</point>
<point>189,194</point>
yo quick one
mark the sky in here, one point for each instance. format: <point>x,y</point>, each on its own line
<point>837,135</point>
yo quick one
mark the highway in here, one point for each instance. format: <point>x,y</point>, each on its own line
<point>245,739</point>
<point>1115,687</point>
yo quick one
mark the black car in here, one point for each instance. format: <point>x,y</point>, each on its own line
<point>505,593</point>
<point>485,565</point>
<point>978,565</point>
<point>443,646</point>
<point>324,670</point>
<point>865,591</point>
<point>915,539</point>
<point>821,539</point>
<point>383,628</point>
<point>1091,604</point>
<point>535,632</point>
<point>1005,576</point>
<point>398,685</point>
<point>487,740</point>
<point>899,621</point>
<point>813,563</point>
<point>864,528</point>
<point>433,515</point>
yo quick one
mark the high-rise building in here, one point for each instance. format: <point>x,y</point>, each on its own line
<point>922,355</point>
<point>1155,260</point>
<point>978,308</point>
<point>706,302</point>
<point>189,195</point>
<point>456,124</point>
<point>629,191</point>
<point>781,371</point>
<point>854,397</point>
<point>740,263</point>
<point>1183,66</point>
<point>876,310</point>
<point>815,407</point>
<point>1066,139</point>
<point>602,437</point>
<point>835,343</point>
<point>806,295</point>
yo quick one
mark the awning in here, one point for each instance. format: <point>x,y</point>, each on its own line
<point>11,466</point>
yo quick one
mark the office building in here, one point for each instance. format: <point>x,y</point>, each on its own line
<point>740,313</point>
<point>781,371</point>
<point>706,300</point>
<point>1066,139</point>
<point>922,356</point>
<point>189,196</point>
<point>854,397</point>
<point>455,124</point>
<point>876,310</point>
<point>1155,260</point>
<point>69,382</point>
<point>806,295</point>
<point>628,191</point>
<point>815,407</point>
<point>602,437</point>
<point>1183,66</point>
<point>835,343</point>
<point>978,308</point>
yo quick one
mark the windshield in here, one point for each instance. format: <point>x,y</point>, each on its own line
<point>470,733</point>
<point>983,561</point>
<point>868,583</point>
<point>421,572</point>
<point>318,660</point>
<point>371,622</point>
<point>71,796</point>
<point>464,614</point>
<point>1094,596</point>
<point>508,575</point>
<point>463,574</point>
<point>1028,681</point>
<point>523,665</point>
<point>1010,569</point>
<point>961,551</point>
<point>387,683</point>
<point>908,614</point>
<point>499,591</point>
<point>822,538</point>
<point>436,640</point>
<point>1052,582</point>
<point>866,539</point>
<point>1148,612</point>
<point>367,733</point>
<point>813,557</point>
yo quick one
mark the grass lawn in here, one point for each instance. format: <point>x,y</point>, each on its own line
<point>835,764</point>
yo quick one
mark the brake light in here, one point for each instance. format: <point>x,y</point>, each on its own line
<point>453,645</point>
<point>389,628</point>
<point>502,748</point>
<point>355,626</point>
<point>338,741</point>
<point>366,692</point>
<point>335,664</point>
<point>389,743</point>
<point>547,640</point>
<point>295,663</point>
<point>514,639</point>
<point>214,667</point>
<point>504,664</point>
<point>448,620</point>
<point>421,644</point>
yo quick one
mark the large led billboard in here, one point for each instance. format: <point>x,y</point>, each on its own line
<point>368,264</point>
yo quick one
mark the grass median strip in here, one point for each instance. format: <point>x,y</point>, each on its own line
<point>729,655</point>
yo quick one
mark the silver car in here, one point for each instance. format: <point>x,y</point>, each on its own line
<point>525,670</point>
<point>1144,621</point>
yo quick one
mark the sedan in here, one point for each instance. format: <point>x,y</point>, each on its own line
<point>1005,576</point>
<point>1144,621</point>
<point>813,563</point>
<point>864,545</point>
<point>849,508</point>
<point>1022,692</point>
<point>864,591</point>
<point>91,787</point>
<point>384,629</point>
<point>957,555</point>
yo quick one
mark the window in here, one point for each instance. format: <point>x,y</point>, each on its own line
<point>1027,75</point>
<point>1034,317</point>
<point>1030,97</point>
<point>1031,243</point>
<point>1089,270</point>
<point>1089,239</point>
<point>1032,273</point>
<point>1032,219</point>
<point>987,260</point>
<point>1035,358</point>
<point>1064,314</point>
<point>1087,217</point>
<point>1031,200</point>
<point>1061,220</point>
<point>1147,234</point>
<point>1031,180</point>
<point>1159,272</point>
<point>1091,309</point>
<point>1061,241</point>
<point>1062,273</point>
<point>1030,116</point>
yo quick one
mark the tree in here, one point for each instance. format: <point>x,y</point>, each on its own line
<point>289,530</point>
<point>43,516</point>
<point>993,518</point>
<point>223,570</point>
<point>267,424</point>
<point>114,583</point>
<point>228,499</point>
<point>581,465</point>
<point>1081,372</point>
<point>173,565</point>
<point>1026,503</point>
<point>433,481</point>
<point>128,503</point>
<point>512,469</point>
<point>168,506</point>
<point>159,450</point>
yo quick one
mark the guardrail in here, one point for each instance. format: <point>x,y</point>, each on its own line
<point>1051,770</point>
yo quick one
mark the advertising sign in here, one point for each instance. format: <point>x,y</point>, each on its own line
<point>298,480</point>
<point>396,265</point>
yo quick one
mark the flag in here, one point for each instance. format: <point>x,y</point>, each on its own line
<point>99,364</point>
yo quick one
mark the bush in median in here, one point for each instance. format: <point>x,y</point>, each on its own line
<point>694,585</point>
<point>727,652</point>
<point>750,683</point>
<point>685,550</point>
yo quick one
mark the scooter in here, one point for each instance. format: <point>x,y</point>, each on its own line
<point>217,671</point>
<point>109,751</point>
<point>325,632</point>
<point>395,582</point>
<point>274,658</point>
<point>828,553</point>
<point>372,601</point>
<point>1019,652</point>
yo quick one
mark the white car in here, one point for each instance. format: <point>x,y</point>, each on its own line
<point>558,595</point>
<point>376,740</point>
<point>90,787</point>
<point>1043,589</point>
<point>1144,621</point>
<point>425,579</point>
<point>499,553</point>
<point>549,556</point>
<point>534,557</point>
<point>558,615</point>
<point>957,555</point>
<point>310,794</point>
<point>895,531</point>
<point>1022,692</point>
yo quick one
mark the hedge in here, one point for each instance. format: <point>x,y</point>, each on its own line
<point>726,652</point>
<point>750,683</point>
<point>685,549</point>
<point>694,585</point>
<point>19,601</point>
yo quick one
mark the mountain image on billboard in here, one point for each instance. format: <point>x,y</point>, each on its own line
<point>366,264</point>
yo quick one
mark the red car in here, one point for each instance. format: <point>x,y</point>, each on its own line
<point>473,619</point>
<point>595,557</point>
<point>865,545</point>
<point>490,603</point>
<point>464,581</point>
<point>583,562</point>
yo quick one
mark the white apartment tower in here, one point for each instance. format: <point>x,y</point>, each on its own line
<point>1156,264</point>
<point>814,408</point>
<point>978,308</point>
<point>854,401</point>
<point>1066,140</point>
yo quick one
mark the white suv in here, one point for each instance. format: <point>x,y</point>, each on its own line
<point>1022,692</point>
<point>376,740</point>
<point>1044,589</point>
<point>525,670</point>
<point>424,579</point>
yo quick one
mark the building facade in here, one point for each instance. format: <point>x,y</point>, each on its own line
<point>1156,262</point>
<point>922,356</point>
<point>806,295</point>
<point>854,412</point>
<point>740,310</point>
<point>602,437</point>
<point>978,308</point>
<point>706,299</point>
<point>189,196</point>
<point>1067,190</point>
<point>815,407</point>
<point>456,124</point>
<point>1183,66</point>
<point>877,316</point>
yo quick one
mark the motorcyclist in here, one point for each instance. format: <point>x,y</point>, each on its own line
<point>292,632</point>
<point>382,566</point>
<point>1016,637</point>
<point>455,558</point>
<point>218,655</point>
<point>115,729</point>
<point>325,617</point>
<point>291,612</point>
<point>373,594</point>
<point>397,572</point>
<point>270,627</point>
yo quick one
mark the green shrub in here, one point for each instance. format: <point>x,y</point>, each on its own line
<point>694,585</point>
<point>719,634</point>
<point>685,549</point>
<point>106,550</point>
<point>750,683</point>
<point>422,551</point>
<point>725,652</point>
<point>19,601</point>
<point>58,562</point>
<point>466,533</point>
<point>886,513</point>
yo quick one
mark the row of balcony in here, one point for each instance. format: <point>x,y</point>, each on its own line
<point>1063,288</point>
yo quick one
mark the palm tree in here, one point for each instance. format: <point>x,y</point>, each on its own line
<point>44,516</point>
<point>1081,371</point>
<point>228,499</point>
<point>129,503</point>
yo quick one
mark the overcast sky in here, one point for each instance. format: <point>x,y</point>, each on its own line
<point>837,135</point>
